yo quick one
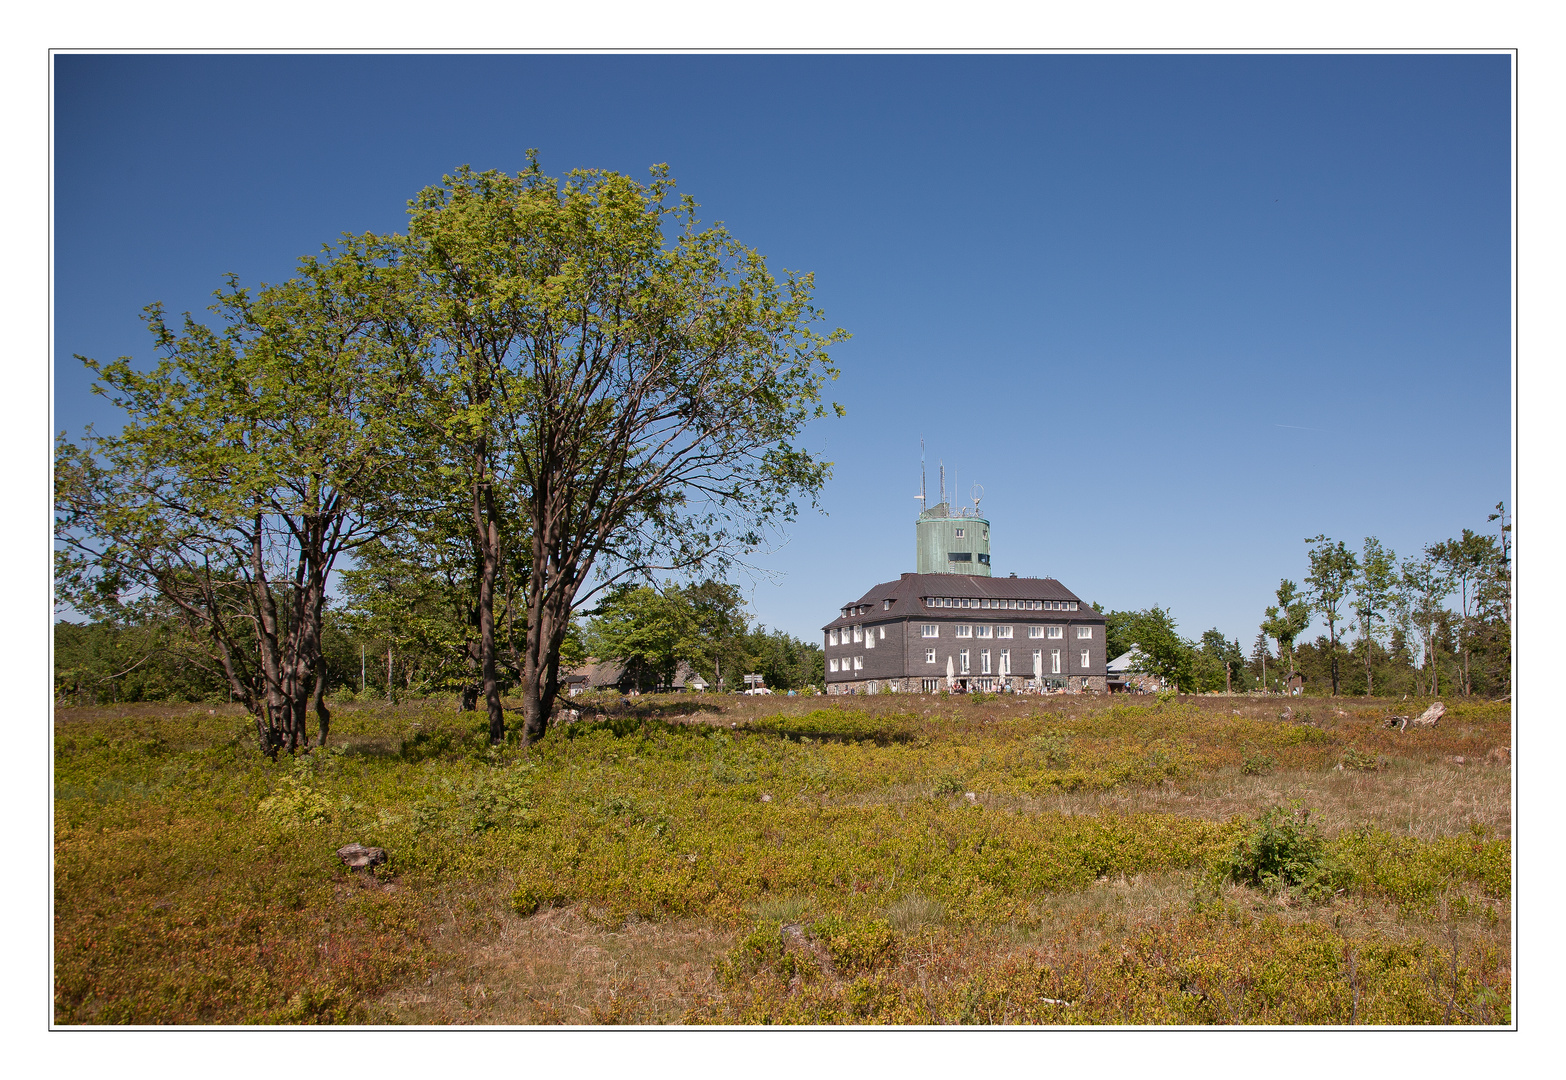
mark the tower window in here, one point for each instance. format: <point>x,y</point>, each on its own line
<point>960,534</point>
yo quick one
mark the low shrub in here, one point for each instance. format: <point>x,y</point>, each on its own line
<point>840,725</point>
<point>1283,849</point>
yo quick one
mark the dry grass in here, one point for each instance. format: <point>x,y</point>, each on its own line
<point>560,966</point>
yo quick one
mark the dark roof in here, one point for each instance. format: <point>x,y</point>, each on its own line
<point>907,594</point>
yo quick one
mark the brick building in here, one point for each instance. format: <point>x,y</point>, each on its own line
<point>968,630</point>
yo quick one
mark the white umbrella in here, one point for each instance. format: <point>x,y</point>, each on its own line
<point>951,676</point>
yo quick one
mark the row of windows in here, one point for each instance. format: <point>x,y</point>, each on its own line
<point>1005,660</point>
<point>1084,633</point>
<point>1009,605</point>
<point>868,635</point>
<point>835,665</point>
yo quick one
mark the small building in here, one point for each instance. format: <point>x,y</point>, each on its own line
<point>1124,675</point>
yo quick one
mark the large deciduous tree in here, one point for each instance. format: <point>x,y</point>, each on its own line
<point>1333,568</point>
<point>636,381</point>
<point>251,458</point>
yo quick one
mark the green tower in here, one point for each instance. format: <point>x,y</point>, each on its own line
<point>953,541</point>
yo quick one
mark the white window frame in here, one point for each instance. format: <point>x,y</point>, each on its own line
<point>1035,632</point>
<point>984,661</point>
<point>963,630</point>
<point>1003,631</point>
<point>859,663</point>
<point>1087,660</point>
<point>961,535</point>
<point>880,632</point>
<point>962,661</point>
<point>928,630</point>
<point>831,637</point>
<point>1054,662</point>
<point>870,640</point>
<point>929,656</point>
<point>832,664</point>
<point>859,634</point>
<point>985,630</point>
<point>1057,632</point>
<point>1084,633</point>
<point>1005,662</point>
<point>1038,661</point>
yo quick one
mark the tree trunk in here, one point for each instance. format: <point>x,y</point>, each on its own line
<point>489,544</point>
<point>1332,634</point>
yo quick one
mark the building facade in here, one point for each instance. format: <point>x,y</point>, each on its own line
<point>924,633</point>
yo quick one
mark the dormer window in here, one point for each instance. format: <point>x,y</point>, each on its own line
<point>886,605</point>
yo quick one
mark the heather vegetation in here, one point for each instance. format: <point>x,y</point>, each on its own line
<point>727,860</point>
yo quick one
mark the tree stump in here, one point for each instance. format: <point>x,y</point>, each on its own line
<point>1429,717</point>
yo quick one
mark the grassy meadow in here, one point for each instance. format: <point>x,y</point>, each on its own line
<point>719,860</point>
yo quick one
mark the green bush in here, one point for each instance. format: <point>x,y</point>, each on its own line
<point>1357,759</point>
<point>841,726</point>
<point>854,946</point>
<point>1258,764</point>
<point>1283,849</point>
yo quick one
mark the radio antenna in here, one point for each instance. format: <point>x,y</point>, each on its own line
<point>924,503</point>
<point>943,483</point>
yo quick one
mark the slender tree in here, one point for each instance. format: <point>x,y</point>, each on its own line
<point>1333,568</point>
<point>1373,596</point>
<point>1422,591</point>
<point>1287,620</point>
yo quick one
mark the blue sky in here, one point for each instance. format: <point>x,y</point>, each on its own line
<point>1175,313</point>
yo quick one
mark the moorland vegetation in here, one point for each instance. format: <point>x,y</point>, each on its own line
<point>684,859</point>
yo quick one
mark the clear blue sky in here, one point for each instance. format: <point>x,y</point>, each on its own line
<point>1176,313</point>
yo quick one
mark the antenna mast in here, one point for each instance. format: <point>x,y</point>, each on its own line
<point>924,503</point>
<point>943,483</point>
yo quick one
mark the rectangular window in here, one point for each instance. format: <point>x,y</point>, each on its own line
<point>859,633</point>
<point>1085,660</point>
<point>870,640</point>
<point>929,630</point>
<point>1054,662</point>
<point>1003,631</point>
<point>964,631</point>
<point>859,663</point>
<point>881,632</point>
<point>1057,631</point>
<point>984,631</point>
<point>929,656</point>
<point>832,664</point>
<point>1005,662</point>
<point>1038,660</point>
<point>832,637</point>
<point>962,660</point>
<point>886,605</point>
<point>1073,605</point>
<point>960,534</point>
<point>1084,632</point>
<point>984,661</point>
<point>1035,631</point>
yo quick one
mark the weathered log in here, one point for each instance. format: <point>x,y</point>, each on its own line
<point>359,857</point>
<point>1429,717</point>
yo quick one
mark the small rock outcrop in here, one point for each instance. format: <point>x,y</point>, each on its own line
<point>359,857</point>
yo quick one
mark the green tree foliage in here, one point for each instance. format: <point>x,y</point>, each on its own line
<point>1287,620</point>
<point>1372,598</point>
<point>251,458</point>
<point>1163,652</point>
<point>638,380</point>
<point>1333,568</point>
<point>650,632</point>
<point>139,656</point>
